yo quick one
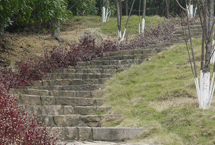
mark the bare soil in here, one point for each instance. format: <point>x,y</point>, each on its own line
<point>21,46</point>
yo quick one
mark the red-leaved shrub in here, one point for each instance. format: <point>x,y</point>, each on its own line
<point>17,127</point>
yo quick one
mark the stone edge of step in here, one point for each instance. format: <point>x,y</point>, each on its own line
<point>97,133</point>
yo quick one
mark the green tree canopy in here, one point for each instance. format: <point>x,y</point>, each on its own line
<point>82,7</point>
<point>30,11</point>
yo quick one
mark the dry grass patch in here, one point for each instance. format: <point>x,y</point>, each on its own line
<point>173,103</point>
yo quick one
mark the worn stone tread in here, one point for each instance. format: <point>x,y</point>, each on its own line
<point>56,93</point>
<point>64,109</point>
<point>52,100</point>
<point>89,70</point>
<point>70,87</point>
<point>66,82</point>
<point>54,76</point>
<point>76,120</point>
<point>98,133</point>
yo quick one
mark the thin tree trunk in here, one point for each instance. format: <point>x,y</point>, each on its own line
<point>143,17</point>
<point>1,30</point>
<point>56,29</point>
<point>126,7</point>
<point>167,8</point>
<point>118,18</point>
<point>139,17</point>
<point>127,21</point>
<point>103,11</point>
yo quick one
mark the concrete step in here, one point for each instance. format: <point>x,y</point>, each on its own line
<point>123,57</point>
<point>83,76</point>
<point>66,82</point>
<point>142,51</point>
<point>84,70</point>
<point>76,120</point>
<point>87,110</point>
<point>70,87</point>
<point>56,93</point>
<point>110,62</point>
<point>51,100</point>
<point>117,67</point>
<point>64,109</point>
<point>98,133</point>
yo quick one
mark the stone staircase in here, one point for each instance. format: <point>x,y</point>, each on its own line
<point>69,99</point>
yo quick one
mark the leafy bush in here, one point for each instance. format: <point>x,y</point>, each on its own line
<point>31,11</point>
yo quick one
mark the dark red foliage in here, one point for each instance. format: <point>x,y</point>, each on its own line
<point>160,33</point>
<point>155,35</point>
<point>17,127</point>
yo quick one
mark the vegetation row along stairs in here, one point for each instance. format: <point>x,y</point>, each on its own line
<point>69,99</point>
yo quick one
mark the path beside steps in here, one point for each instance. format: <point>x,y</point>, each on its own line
<point>69,99</point>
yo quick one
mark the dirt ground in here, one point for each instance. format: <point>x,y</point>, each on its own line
<point>21,46</point>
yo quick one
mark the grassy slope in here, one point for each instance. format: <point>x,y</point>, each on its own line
<point>110,27</point>
<point>160,95</point>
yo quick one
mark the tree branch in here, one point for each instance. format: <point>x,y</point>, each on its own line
<point>180,5</point>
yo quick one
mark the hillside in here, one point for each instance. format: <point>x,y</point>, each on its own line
<point>160,96</point>
<point>20,45</point>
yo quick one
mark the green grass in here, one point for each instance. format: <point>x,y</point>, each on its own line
<point>160,96</point>
<point>110,27</point>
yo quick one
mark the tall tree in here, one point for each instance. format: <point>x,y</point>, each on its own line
<point>167,8</point>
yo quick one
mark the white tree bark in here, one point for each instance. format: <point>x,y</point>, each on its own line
<point>190,10</point>
<point>143,25</point>
<point>103,14</point>
<point>119,34</point>
<point>123,36</point>
<point>205,91</point>
<point>194,15</point>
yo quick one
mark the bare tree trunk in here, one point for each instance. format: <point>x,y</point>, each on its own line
<point>127,22</point>
<point>167,8</point>
<point>126,7</point>
<point>56,29</point>
<point>1,30</point>
<point>119,18</point>
<point>143,17</point>
<point>103,11</point>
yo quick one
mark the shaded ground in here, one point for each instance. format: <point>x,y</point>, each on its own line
<point>22,46</point>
